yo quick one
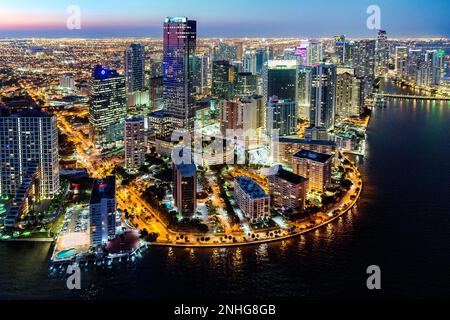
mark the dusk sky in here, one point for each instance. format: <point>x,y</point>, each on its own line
<point>231,18</point>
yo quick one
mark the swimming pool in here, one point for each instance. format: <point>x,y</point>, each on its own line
<point>65,254</point>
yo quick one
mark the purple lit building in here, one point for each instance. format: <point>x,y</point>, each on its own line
<point>180,36</point>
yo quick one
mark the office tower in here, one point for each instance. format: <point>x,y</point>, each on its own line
<point>102,209</point>
<point>262,57</point>
<point>135,67</point>
<point>185,188</point>
<point>314,53</point>
<point>249,62</point>
<point>348,92</point>
<point>180,37</point>
<point>381,54</point>
<point>135,143</point>
<point>222,80</point>
<point>304,79</point>
<point>67,81</point>
<point>323,96</point>
<point>253,119</point>
<point>224,52</point>
<point>401,62</point>
<point>158,125</point>
<point>314,166</point>
<point>245,84</point>
<point>281,116</point>
<point>251,199</point>
<point>26,138</point>
<point>200,74</point>
<point>281,79</point>
<point>287,190</point>
<point>107,107</point>
<point>364,64</point>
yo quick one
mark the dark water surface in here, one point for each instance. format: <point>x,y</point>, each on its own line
<point>401,224</point>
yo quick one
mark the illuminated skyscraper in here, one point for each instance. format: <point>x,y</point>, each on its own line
<point>249,62</point>
<point>102,209</point>
<point>323,96</point>
<point>304,91</point>
<point>135,143</point>
<point>180,38</point>
<point>382,54</point>
<point>401,62</point>
<point>28,138</point>
<point>348,92</point>
<point>135,67</point>
<point>281,116</point>
<point>314,53</point>
<point>222,79</point>
<point>281,79</point>
<point>185,188</point>
<point>107,108</point>
<point>364,64</point>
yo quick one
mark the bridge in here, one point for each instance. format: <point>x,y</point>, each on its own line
<point>411,97</point>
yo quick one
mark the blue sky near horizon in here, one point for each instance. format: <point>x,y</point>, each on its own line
<point>231,18</point>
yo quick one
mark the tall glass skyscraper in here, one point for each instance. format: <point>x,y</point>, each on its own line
<point>323,96</point>
<point>281,79</point>
<point>135,67</point>
<point>180,38</point>
<point>107,108</point>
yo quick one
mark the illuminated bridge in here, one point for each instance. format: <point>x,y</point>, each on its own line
<point>411,97</point>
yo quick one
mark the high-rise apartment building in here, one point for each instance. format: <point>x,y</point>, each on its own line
<point>135,142</point>
<point>102,210</point>
<point>323,96</point>
<point>28,138</point>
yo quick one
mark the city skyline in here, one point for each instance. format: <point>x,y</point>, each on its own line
<point>231,19</point>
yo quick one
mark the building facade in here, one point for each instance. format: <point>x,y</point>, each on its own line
<point>102,209</point>
<point>27,138</point>
<point>107,108</point>
<point>251,199</point>
<point>314,166</point>
<point>135,143</point>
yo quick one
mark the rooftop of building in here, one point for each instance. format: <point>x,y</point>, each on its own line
<point>312,155</point>
<point>251,188</point>
<point>101,73</point>
<point>307,141</point>
<point>275,99</point>
<point>186,169</point>
<point>135,119</point>
<point>25,113</point>
<point>103,189</point>
<point>158,114</point>
<point>290,176</point>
